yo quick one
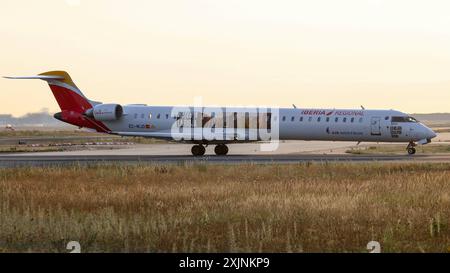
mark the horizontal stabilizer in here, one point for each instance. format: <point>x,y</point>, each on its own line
<point>41,77</point>
<point>67,94</point>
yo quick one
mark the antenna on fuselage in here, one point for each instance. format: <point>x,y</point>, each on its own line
<point>293,105</point>
<point>362,107</point>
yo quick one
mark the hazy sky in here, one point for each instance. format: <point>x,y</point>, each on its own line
<point>314,53</point>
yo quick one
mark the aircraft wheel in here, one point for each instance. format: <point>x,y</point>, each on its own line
<point>221,149</point>
<point>198,150</point>
<point>411,150</point>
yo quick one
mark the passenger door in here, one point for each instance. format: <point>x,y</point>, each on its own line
<point>375,126</point>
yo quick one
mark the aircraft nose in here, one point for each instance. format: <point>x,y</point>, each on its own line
<point>428,133</point>
<point>431,134</point>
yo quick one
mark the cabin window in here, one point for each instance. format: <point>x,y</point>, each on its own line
<point>386,118</point>
<point>135,116</point>
<point>301,119</point>
<point>352,120</point>
<point>310,119</point>
<point>292,119</point>
<point>328,119</point>
<point>344,120</point>
<point>158,116</point>
<point>318,119</point>
<point>336,119</point>
<point>284,118</point>
<point>167,116</point>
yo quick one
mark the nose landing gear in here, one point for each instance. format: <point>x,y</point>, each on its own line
<point>411,150</point>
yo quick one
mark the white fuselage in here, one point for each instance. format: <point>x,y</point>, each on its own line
<point>290,123</point>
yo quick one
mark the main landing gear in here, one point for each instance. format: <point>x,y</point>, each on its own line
<point>199,150</point>
<point>221,149</point>
<point>411,150</point>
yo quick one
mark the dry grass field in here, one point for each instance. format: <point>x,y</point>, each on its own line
<point>310,207</point>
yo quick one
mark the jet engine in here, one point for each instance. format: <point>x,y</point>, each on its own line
<point>105,112</point>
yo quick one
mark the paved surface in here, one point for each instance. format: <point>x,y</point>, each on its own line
<point>286,152</point>
<point>285,147</point>
<point>48,160</point>
<point>36,140</point>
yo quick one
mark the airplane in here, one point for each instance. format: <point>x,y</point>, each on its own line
<point>221,126</point>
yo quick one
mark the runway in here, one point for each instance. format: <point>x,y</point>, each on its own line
<point>286,152</point>
<point>44,160</point>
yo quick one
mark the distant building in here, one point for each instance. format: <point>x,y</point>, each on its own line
<point>9,127</point>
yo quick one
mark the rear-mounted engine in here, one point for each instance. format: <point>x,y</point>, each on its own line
<point>105,112</point>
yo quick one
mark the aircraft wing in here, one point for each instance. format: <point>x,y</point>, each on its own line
<point>164,135</point>
<point>185,136</point>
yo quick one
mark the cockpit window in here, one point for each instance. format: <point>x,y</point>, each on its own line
<point>403,119</point>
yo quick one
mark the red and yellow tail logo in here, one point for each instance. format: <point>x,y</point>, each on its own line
<point>66,93</point>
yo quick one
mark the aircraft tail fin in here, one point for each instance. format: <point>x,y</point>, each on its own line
<point>66,93</point>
